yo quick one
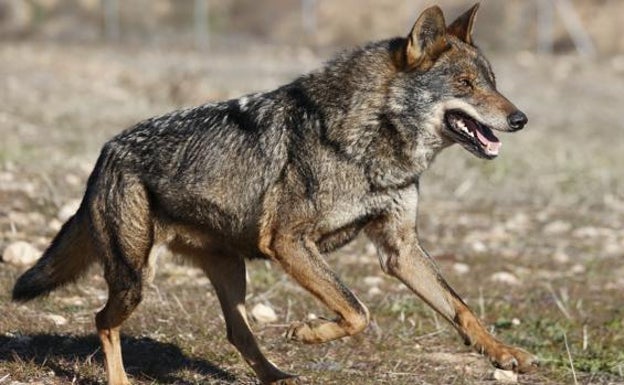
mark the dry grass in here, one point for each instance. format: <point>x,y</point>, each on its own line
<point>550,211</point>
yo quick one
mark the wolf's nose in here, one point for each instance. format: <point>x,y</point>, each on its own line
<point>517,120</point>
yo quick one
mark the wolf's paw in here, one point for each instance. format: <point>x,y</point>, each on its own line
<point>511,358</point>
<point>311,332</point>
<point>301,332</point>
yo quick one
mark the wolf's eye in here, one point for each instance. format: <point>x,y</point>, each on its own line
<point>465,82</point>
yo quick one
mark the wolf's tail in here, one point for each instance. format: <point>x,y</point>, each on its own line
<point>67,257</point>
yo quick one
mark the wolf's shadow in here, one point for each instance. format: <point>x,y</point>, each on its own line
<point>143,357</point>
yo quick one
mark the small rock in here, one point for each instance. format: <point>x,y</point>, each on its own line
<point>479,247</point>
<point>55,224</point>
<point>592,232</point>
<point>263,314</point>
<point>374,291</point>
<point>311,316</point>
<point>505,376</point>
<point>58,320</point>
<point>561,257</point>
<point>557,228</point>
<point>73,180</point>
<point>577,269</point>
<point>71,301</point>
<point>505,277</point>
<point>373,280</point>
<point>68,209</point>
<point>612,249</point>
<point>20,253</point>
<point>518,222</point>
<point>508,253</point>
<point>6,177</point>
<point>461,268</point>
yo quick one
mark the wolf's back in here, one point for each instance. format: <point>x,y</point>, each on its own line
<point>67,257</point>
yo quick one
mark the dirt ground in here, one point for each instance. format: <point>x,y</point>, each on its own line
<point>533,240</point>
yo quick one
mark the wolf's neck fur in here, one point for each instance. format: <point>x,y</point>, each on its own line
<point>365,120</point>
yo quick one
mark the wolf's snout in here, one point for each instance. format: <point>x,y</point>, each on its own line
<point>517,120</point>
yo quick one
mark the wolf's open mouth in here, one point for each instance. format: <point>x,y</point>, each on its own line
<point>471,132</point>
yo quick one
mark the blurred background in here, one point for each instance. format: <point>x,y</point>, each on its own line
<point>534,240</point>
<point>548,25</point>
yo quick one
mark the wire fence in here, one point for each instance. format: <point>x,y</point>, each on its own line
<point>545,26</point>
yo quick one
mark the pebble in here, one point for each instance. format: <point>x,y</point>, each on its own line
<point>373,280</point>
<point>613,249</point>
<point>505,376</point>
<point>461,268</point>
<point>557,228</point>
<point>592,232</point>
<point>20,253</point>
<point>72,301</point>
<point>479,247</point>
<point>68,210</point>
<point>578,269</point>
<point>58,320</point>
<point>55,224</point>
<point>6,177</point>
<point>518,222</point>
<point>506,278</point>
<point>561,257</point>
<point>73,180</point>
<point>373,291</point>
<point>263,314</point>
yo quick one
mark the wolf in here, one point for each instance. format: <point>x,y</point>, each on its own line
<point>290,175</point>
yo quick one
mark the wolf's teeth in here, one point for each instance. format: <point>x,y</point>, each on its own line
<point>462,126</point>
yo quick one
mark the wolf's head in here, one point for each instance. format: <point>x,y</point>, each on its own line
<point>446,86</point>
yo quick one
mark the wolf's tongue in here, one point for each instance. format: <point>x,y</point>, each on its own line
<point>491,145</point>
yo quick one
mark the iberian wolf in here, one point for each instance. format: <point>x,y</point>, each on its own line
<point>290,175</point>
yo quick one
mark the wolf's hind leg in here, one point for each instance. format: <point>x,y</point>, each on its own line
<point>124,295</point>
<point>120,304</point>
<point>123,231</point>
<point>227,274</point>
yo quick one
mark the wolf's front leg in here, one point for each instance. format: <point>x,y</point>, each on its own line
<point>401,256</point>
<point>301,259</point>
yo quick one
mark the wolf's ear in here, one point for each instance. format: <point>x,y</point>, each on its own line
<point>462,26</point>
<point>427,40</point>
